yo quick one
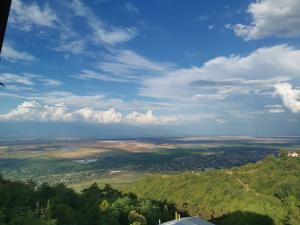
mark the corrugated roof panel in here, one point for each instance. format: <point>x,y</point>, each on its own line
<point>188,221</point>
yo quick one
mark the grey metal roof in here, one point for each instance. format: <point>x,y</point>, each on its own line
<point>188,221</point>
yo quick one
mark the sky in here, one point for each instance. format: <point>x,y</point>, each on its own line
<point>114,68</point>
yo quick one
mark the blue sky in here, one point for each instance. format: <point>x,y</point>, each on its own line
<point>151,68</point>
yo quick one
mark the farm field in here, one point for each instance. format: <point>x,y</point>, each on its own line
<point>78,163</point>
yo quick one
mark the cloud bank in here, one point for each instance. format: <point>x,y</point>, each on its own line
<point>34,111</point>
<point>222,77</point>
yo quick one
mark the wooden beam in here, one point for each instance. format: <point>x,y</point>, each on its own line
<point>4,12</point>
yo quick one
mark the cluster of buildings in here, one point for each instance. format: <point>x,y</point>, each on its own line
<point>293,154</point>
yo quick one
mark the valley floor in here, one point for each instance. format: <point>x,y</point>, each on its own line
<point>79,163</point>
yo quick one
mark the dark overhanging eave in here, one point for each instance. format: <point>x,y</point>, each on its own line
<point>4,13</point>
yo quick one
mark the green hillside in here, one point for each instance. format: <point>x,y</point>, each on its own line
<point>264,193</point>
<point>267,192</point>
<point>26,204</point>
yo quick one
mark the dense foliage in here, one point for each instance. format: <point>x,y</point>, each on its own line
<point>264,193</point>
<point>267,192</point>
<point>25,204</point>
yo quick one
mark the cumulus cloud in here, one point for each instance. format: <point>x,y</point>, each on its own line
<point>271,18</point>
<point>290,97</point>
<point>12,55</point>
<point>34,111</point>
<point>149,118</point>
<point>92,116</point>
<point>221,77</point>
<point>25,16</point>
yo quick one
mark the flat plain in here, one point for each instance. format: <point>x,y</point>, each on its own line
<point>78,163</point>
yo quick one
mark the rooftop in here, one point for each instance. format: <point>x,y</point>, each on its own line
<point>188,221</point>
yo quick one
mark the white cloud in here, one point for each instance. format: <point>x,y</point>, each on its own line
<point>26,79</point>
<point>17,79</point>
<point>74,47</point>
<point>111,35</point>
<point>290,97</point>
<point>220,121</point>
<point>69,98</point>
<point>124,61</point>
<point>15,88</point>
<point>149,118</point>
<point>275,108</point>
<point>12,55</point>
<point>34,111</point>
<point>129,66</point>
<point>92,116</point>
<point>102,33</point>
<point>98,101</point>
<point>93,75</point>
<point>132,9</point>
<point>26,16</point>
<point>271,18</point>
<point>50,82</point>
<point>124,66</point>
<point>29,15</point>
<point>256,73</point>
<point>210,27</point>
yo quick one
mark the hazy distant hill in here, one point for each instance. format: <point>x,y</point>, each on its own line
<point>267,192</point>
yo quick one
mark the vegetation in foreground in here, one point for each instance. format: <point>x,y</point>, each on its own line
<point>264,193</point>
<point>267,192</point>
<point>24,204</point>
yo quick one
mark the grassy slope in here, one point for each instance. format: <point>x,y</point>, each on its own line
<point>270,187</point>
<point>116,180</point>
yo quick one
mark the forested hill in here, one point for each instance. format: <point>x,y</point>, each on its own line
<point>25,204</point>
<point>267,192</point>
<point>264,193</point>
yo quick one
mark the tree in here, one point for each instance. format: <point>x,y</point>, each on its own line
<point>109,216</point>
<point>135,218</point>
<point>283,153</point>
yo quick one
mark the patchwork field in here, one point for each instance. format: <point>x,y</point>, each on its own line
<point>79,163</point>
